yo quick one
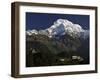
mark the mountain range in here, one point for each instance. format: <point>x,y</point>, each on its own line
<point>62,39</point>
<point>61,27</point>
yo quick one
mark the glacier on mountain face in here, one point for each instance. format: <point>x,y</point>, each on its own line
<point>61,27</point>
<point>58,30</point>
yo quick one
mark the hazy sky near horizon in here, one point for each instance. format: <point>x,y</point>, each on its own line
<point>44,20</point>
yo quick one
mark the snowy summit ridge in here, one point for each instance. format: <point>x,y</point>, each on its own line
<point>61,27</point>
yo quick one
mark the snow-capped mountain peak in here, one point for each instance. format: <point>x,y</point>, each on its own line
<point>30,32</point>
<point>61,27</point>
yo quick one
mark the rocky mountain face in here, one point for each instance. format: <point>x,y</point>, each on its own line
<point>57,45</point>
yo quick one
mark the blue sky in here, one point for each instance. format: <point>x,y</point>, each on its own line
<point>44,20</point>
